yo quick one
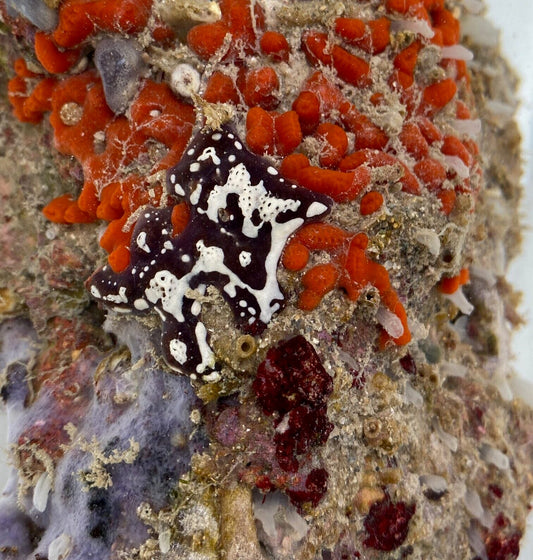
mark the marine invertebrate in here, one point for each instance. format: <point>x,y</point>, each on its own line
<point>42,16</point>
<point>240,20</point>
<point>370,202</point>
<point>53,59</point>
<point>275,45</point>
<point>272,133</point>
<point>103,474</point>
<point>241,213</point>
<point>119,64</point>
<point>349,269</point>
<point>79,19</point>
<point>107,192</point>
<point>371,36</point>
<point>340,185</point>
<point>452,289</point>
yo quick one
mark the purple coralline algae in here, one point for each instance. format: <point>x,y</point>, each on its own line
<point>242,213</point>
<point>130,447</point>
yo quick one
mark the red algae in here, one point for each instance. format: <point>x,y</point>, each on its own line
<point>387,524</point>
<point>292,384</point>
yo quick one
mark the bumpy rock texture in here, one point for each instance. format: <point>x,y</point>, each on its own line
<point>253,285</point>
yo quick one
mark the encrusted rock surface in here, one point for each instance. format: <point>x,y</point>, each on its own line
<point>326,372</point>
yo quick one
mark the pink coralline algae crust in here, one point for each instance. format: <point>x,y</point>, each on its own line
<point>242,211</point>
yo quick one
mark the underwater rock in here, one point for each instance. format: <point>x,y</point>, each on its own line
<point>253,286</point>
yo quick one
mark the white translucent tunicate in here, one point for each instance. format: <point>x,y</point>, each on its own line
<point>446,438</point>
<point>480,31</point>
<point>470,127</point>
<point>164,541</point>
<point>451,369</point>
<point>475,508</point>
<point>494,457</point>
<point>41,491</point>
<point>35,11</point>
<point>473,504</point>
<point>185,80</point>
<point>483,274</point>
<point>418,26</point>
<point>434,482</point>
<point>457,52</point>
<point>60,547</point>
<point>430,239</point>
<point>119,62</point>
<point>413,396</point>
<point>458,165</point>
<point>476,541</point>
<point>390,322</point>
<point>503,112</point>
<point>473,6</point>
<point>277,515</point>
<point>459,300</point>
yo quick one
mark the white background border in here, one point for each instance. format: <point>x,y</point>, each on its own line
<point>515,20</point>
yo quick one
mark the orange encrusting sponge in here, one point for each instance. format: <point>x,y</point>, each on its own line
<point>349,269</point>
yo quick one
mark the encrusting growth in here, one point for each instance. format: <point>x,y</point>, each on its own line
<point>286,195</point>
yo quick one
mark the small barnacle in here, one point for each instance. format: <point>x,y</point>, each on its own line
<point>371,297</point>
<point>71,113</point>
<point>372,429</point>
<point>382,382</point>
<point>245,346</point>
<point>185,80</point>
<point>430,373</point>
<point>383,433</point>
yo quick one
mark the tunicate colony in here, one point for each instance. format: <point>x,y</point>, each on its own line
<point>242,213</point>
